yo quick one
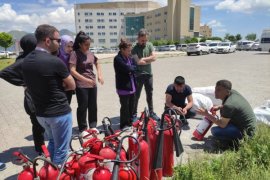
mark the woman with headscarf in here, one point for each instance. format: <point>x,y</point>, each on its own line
<point>65,50</point>
<point>13,74</point>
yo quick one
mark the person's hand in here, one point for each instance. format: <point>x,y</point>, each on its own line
<point>101,80</point>
<point>202,111</point>
<point>184,111</point>
<point>141,62</point>
<point>90,82</point>
<point>179,110</point>
<point>216,108</point>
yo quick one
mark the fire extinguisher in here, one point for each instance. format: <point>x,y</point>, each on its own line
<point>171,138</point>
<point>142,164</point>
<point>127,171</point>
<point>157,169</point>
<point>48,170</point>
<point>27,173</point>
<point>203,127</point>
<point>102,173</point>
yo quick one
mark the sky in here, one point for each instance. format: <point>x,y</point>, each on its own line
<point>224,16</point>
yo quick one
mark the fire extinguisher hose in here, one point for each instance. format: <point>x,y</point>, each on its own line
<point>117,160</point>
<point>43,159</point>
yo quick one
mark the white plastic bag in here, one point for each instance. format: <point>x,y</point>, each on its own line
<point>262,113</point>
<point>208,91</point>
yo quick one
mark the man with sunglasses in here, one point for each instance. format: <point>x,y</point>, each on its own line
<point>47,78</point>
<point>237,117</point>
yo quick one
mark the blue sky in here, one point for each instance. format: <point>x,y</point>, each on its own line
<point>224,16</point>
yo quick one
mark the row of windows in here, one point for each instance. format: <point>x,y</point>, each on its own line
<point>101,27</point>
<point>98,20</point>
<point>102,33</point>
<point>100,14</point>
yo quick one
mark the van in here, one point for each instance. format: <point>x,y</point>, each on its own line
<point>265,40</point>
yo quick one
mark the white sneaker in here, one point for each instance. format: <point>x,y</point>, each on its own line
<point>84,134</point>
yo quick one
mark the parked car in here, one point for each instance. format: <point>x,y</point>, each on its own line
<point>197,48</point>
<point>244,45</point>
<point>93,50</point>
<point>226,47</point>
<point>255,47</point>
<point>213,47</point>
<point>181,47</point>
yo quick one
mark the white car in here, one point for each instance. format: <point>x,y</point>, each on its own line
<point>213,47</point>
<point>169,48</point>
<point>197,48</point>
<point>226,47</point>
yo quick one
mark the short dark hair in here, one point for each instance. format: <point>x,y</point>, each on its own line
<point>179,80</point>
<point>124,44</point>
<point>225,84</point>
<point>143,32</point>
<point>81,37</point>
<point>43,31</point>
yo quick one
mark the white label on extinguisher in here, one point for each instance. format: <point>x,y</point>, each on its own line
<point>203,125</point>
<point>109,165</point>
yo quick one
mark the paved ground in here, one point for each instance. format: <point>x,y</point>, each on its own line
<point>248,71</point>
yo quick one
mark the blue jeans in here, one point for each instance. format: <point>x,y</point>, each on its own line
<point>229,133</point>
<point>58,130</point>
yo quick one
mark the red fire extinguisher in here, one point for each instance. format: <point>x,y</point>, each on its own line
<point>124,171</point>
<point>48,170</point>
<point>27,173</point>
<point>102,173</point>
<point>171,138</point>
<point>203,127</point>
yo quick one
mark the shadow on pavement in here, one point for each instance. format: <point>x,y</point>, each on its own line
<point>264,53</point>
<point>209,145</point>
<point>13,177</point>
<point>7,155</point>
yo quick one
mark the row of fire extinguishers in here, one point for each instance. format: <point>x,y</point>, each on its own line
<point>150,153</point>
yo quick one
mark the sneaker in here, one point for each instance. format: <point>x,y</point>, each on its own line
<point>2,166</point>
<point>83,134</point>
<point>154,116</point>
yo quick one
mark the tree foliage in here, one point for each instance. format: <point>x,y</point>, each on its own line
<point>5,40</point>
<point>251,37</point>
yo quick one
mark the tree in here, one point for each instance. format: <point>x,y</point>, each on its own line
<point>226,36</point>
<point>251,37</point>
<point>238,37</point>
<point>231,38</point>
<point>5,40</point>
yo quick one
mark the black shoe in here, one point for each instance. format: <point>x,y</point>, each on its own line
<point>154,116</point>
<point>2,166</point>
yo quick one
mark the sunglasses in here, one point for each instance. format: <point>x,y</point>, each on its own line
<point>58,40</point>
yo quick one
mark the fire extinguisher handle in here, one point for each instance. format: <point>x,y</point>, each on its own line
<point>45,151</point>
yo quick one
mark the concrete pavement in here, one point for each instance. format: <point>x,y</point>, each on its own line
<point>248,71</point>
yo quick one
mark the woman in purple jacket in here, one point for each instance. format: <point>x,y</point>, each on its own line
<point>124,67</point>
<point>65,50</point>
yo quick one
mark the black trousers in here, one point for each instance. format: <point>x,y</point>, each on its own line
<point>126,110</point>
<point>37,129</point>
<point>87,100</point>
<point>147,82</point>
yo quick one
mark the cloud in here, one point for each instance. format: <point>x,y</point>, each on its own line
<point>244,6</point>
<point>215,23</point>
<point>60,17</point>
<point>206,2</point>
<point>59,2</point>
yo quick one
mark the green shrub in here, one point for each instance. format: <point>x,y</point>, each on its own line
<point>251,161</point>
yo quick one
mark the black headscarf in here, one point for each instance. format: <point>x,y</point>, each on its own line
<point>28,43</point>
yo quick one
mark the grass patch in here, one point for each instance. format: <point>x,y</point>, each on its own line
<point>251,161</point>
<point>4,62</point>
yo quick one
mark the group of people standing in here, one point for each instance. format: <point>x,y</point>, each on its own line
<point>52,68</point>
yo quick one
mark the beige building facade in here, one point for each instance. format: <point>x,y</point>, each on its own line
<point>206,31</point>
<point>107,22</point>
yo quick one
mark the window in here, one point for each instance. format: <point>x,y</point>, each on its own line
<point>114,13</point>
<point>101,40</point>
<point>100,20</point>
<point>79,20</point>
<point>165,13</point>
<point>101,27</point>
<point>90,14</point>
<point>110,13</point>
<point>113,27</point>
<point>121,13</point>
<point>100,14</point>
<point>80,27</point>
<point>191,19</point>
<point>265,40</point>
<point>113,40</point>
<point>86,14</point>
<point>115,33</point>
<point>78,13</point>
